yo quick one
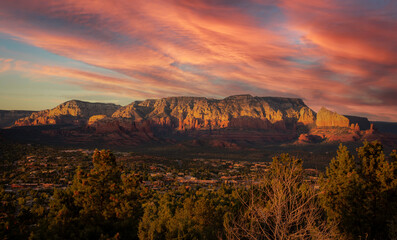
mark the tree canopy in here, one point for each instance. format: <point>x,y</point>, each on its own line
<point>360,195</point>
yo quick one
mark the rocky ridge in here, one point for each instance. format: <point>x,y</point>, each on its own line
<point>8,117</point>
<point>71,112</point>
<point>241,111</point>
<point>234,119</point>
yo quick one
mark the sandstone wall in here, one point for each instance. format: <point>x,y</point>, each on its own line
<point>327,118</point>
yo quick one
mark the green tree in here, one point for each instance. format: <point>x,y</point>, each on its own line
<point>181,214</point>
<point>379,186</point>
<point>101,203</point>
<point>156,219</point>
<point>195,220</point>
<point>7,215</point>
<point>98,191</point>
<point>339,185</point>
<point>360,196</point>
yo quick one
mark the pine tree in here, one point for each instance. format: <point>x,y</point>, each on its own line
<point>360,196</point>
<point>96,192</point>
<point>380,189</point>
<point>101,203</point>
<point>339,190</point>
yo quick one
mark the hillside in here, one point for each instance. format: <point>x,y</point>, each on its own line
<point>386,127</point>
<point>240,120</point>
<point>8,117</point>
<point>70,112</point>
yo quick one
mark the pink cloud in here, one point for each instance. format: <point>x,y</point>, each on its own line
<point>5,64</point>
<point>328,52</point>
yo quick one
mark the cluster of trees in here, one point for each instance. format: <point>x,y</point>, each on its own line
<point>102,203</point>
<point>356,199</point>
<point>359,193</point>
<point>188,214</point>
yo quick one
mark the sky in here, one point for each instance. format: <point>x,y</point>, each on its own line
<point>341,54</point>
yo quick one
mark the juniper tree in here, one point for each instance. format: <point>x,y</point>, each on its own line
<point>101,203</point>
<point>360,196</point>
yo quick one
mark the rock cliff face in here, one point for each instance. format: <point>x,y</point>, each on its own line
<point>7,118</point>
<point>238,112</point>
<point>332,127</point>
<point>326,118</point>
<point>71,112</point>
<point>240,119</point>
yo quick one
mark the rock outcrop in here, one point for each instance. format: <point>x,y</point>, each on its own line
<point>95,119</point>
<point>334,134</point>
<point>333,127</point>
<point>238,112</point>
<point>361,122</point>
<point>7,118</point>
<point>242,119</point>
<point>308,138</point>
<point>71,112</point>
<point>327,118</point>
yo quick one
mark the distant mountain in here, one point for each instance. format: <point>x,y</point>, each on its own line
<point>241,111</point>
<point>239,119</point>
<point>8,117</point>
<point>70,112</point>
<point>361,121</point>
<point>386,127</point>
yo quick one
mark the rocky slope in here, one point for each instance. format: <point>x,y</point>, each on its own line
<point>7,118</point>
<point>327,118</point>
<point>239,112</point>
<point>71,112</point>
<point>333,127</point>
<point>241,119</point>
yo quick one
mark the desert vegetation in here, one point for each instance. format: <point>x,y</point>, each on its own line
<point>107,198</point>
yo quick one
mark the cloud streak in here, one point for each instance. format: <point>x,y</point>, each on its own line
<point>340,54</point>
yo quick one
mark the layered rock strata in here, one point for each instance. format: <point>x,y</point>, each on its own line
<point>327,118</point>
<point>197,113</point>
<point>71,112</point>
<point>234,119</point>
